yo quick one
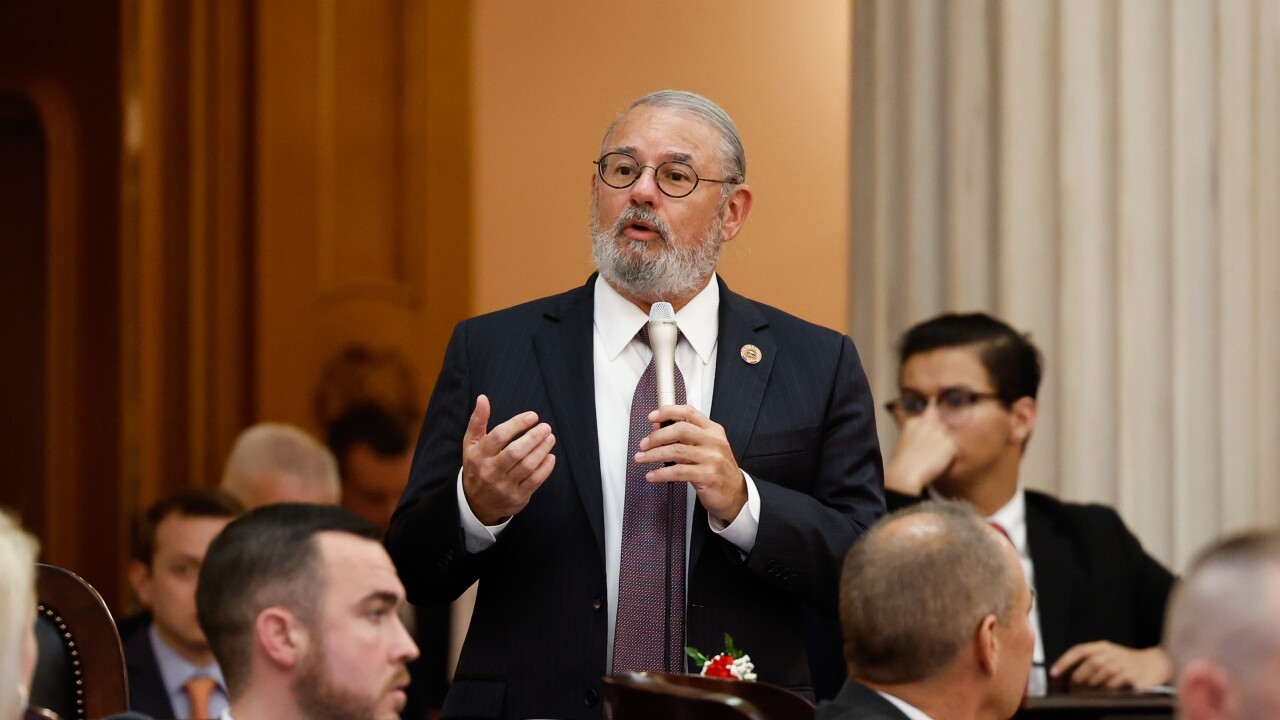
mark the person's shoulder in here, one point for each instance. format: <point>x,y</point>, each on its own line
<point>134,626</point>
<point>857,701</point>
<point>527,313</point>
<point>786,325</point>
<point>1088,517</point>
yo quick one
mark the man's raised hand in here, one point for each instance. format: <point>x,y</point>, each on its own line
<point>502,468</point>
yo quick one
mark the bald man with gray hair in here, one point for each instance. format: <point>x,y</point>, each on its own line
<point>274,463</point>
<point>934,604</point>
<point>1223,631</point>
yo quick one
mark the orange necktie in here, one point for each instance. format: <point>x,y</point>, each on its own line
<point>199,690</point>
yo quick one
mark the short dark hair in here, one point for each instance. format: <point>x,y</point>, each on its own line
<point>265,558</point>
<point>1013,363</point>
<point>188,502</point>
<point>954,577</point>
<point>384,431</point>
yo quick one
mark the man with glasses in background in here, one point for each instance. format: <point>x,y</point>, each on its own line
<point>546,470</point>
<point>966,410</point>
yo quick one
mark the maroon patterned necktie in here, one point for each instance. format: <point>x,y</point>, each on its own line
<point>649,630</point>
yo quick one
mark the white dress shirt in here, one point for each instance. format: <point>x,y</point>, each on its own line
<point>1012,518</point>
<point>619,359</point>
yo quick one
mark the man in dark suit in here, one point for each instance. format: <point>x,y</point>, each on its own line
<point>166,654</point>
<point>964,650</point>
<point>967,409</point>
<point>540,473</point>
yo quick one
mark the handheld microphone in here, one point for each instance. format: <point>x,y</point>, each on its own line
<point>663,335</point>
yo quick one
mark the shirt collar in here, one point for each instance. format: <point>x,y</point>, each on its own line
<point>911,711</point>
<point>618,320</point>
<point>175,670</point>
<point>1012,518</point>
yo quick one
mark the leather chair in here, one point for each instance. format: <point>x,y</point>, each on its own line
<point>638,696</point>
<point>80,673</point>
<point>773,701</point>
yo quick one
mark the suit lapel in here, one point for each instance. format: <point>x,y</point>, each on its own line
<point>564,355</point>
<point>1048,549</point>
<point>740,385</point>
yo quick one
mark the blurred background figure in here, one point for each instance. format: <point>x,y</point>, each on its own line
<point>17,615</point>
<point>172,671</point>
<point>967,408</point>
<point>367,403</point>
<point>1224,631</point>
<point>274,463</point>
<point>373,449</point>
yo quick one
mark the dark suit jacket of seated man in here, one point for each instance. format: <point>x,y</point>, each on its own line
<point>790,406</point>
<point>967,409</point>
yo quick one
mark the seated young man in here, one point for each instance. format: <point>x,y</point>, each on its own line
<point>172,672</point>
<point>966,409</point>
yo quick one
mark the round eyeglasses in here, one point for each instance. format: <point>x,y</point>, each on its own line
<point>953,404</point>
<point>674,178</point>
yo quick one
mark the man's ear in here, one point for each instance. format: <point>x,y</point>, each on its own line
<point>282,637</point>
<point>735,210</point>
<point>985,647</point>
<point>1204,691</point>
<point>1023,412</point>
<point>140,579</point>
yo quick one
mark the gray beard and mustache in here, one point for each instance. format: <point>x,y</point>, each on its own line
<point>679,271</point>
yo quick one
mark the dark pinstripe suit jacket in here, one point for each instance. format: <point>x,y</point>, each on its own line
<point>800,421</point>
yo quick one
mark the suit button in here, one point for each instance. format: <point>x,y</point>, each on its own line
<point>591,698</point>
<point>597,603</point>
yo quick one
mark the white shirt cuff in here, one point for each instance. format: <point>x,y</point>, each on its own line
<point>476,535</point>
<point>742,531</point>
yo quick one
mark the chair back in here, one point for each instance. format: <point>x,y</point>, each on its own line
<point>773,701</point>
<point>637,696</point>
<point>80,673</point>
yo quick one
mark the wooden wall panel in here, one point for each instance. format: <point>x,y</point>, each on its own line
<point>63,56</point>
<point>186,280</point>
<point>357,241</point>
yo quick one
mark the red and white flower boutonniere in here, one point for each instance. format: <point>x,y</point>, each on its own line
<point>732,663</point>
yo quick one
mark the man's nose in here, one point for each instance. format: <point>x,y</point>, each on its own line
<point>644,191</point>
<point>405,648</point>
<point>932,406</point>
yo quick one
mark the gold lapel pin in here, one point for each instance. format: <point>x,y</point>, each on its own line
<point>751,354</point>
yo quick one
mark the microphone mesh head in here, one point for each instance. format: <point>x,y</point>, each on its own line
<point>662,311</point>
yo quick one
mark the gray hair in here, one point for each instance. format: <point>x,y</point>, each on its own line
<point>916,585</point>
<point>18,551</point>
<point>1224,610</point>
<point>281,448</point>
<point>731,154</point>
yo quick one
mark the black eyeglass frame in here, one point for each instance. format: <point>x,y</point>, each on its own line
<point>599,163</point>
<point>972,398</point>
